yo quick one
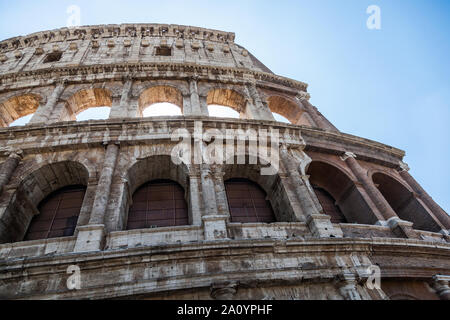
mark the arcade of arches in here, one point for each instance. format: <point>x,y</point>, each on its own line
<point>159,100</point>
<point>162,197</point>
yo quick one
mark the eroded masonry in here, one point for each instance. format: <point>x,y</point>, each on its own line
<point>104,196</point>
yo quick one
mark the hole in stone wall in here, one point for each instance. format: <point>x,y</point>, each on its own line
<point>163,51</point>
<point>222,112</point>
<point>162,109</point>
<point>22,121</point>
<point>53,57</point>
<point>97,113</point>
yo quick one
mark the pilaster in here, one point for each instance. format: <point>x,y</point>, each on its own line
<point>44,113</point>
<point>319,223</point>
<point>9,166</point>
<point>437,211</point>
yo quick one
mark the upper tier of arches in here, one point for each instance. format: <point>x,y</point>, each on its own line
<point>146,98</point>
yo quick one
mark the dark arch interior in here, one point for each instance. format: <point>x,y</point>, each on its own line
<point>338,195</point>
<point>58,214</point>
<point>247,202</point>
<point>329,206</point>
<point>158,203</point>
<point>404,203</point>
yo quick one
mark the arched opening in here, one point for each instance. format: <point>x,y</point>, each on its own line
<point>161,101</point>
<point>403,289</point>
<point>159,203</point>
<point>27,200</point>
<point>272,186</point>
<point>90,104</point>
<point>248,202</point>
<point>146,179</point>
<point>338,195</point>
<point>404,203</point>
<point>58,214</point>
<point>329,206</point>
<point>226,103</point>
<point>95,113</point>
<point>280,118</point>
<point>17,108</point>
<point>161,109</point>
<point>23,121</point>
<point>285,110</point>
<point>217,111</point>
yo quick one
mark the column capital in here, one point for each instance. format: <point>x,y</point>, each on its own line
<point>302,95</point>
<point>128,77</point>
<point>403,166</point>
<point>347,282</point>
<point>61,82</point>
<point>223,291</point>
<point>111,142</point>
<point>348,155</point>
<point>12,152</point>
<point>194,77</point>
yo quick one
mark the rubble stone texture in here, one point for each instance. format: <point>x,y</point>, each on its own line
<point>390,221</point>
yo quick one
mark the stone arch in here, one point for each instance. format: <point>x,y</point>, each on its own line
<point>228,98</point>
<point>153,168</point>
<point>160,94</point>
<point>156,167</point>
<point>17,107</point>
<point>34,188</point>
<point>272,186</point>
<point>343,190</point>
<point>58,214</point>
<point>405,203</point>
<point>248,202</point>
<point>88,98</point>
<point>288,109</point>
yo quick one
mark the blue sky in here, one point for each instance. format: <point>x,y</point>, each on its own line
<point>390,85</point>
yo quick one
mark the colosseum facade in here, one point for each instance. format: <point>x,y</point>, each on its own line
<point>341,218</point>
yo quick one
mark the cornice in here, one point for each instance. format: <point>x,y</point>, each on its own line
<point>122,128</point>
<point>114,30</point>
<point>375,246</point>
<point>119,70</point>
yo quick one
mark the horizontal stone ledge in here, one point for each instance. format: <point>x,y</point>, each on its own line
<point>128,130</point>
<point>118,70</point>
<point>115,31</point>
<point>313,246</point>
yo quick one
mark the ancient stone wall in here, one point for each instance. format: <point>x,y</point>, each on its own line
<point>390,221</point>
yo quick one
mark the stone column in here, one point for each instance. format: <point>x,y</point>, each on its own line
<point>439,213</point>
<point>319,223</point>
<point>91,236</point>
<point>316,116</point>
<point>221,194</point>
<point>215,227</point>
<point>104,184</point>
<point>44,113</point>
<point>375,194</point>
<point>256,108</point>
<point>9,166</point>
<point>399,227</point>
<point>441,286</point>
<point>195,103</point>
<point>347,286</point>
<point>208,193</point>
<point>204,105</point>
<point>195,199</point>
<point>120,110</point>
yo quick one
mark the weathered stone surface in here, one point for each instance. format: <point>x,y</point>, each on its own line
<point>304,254</point>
